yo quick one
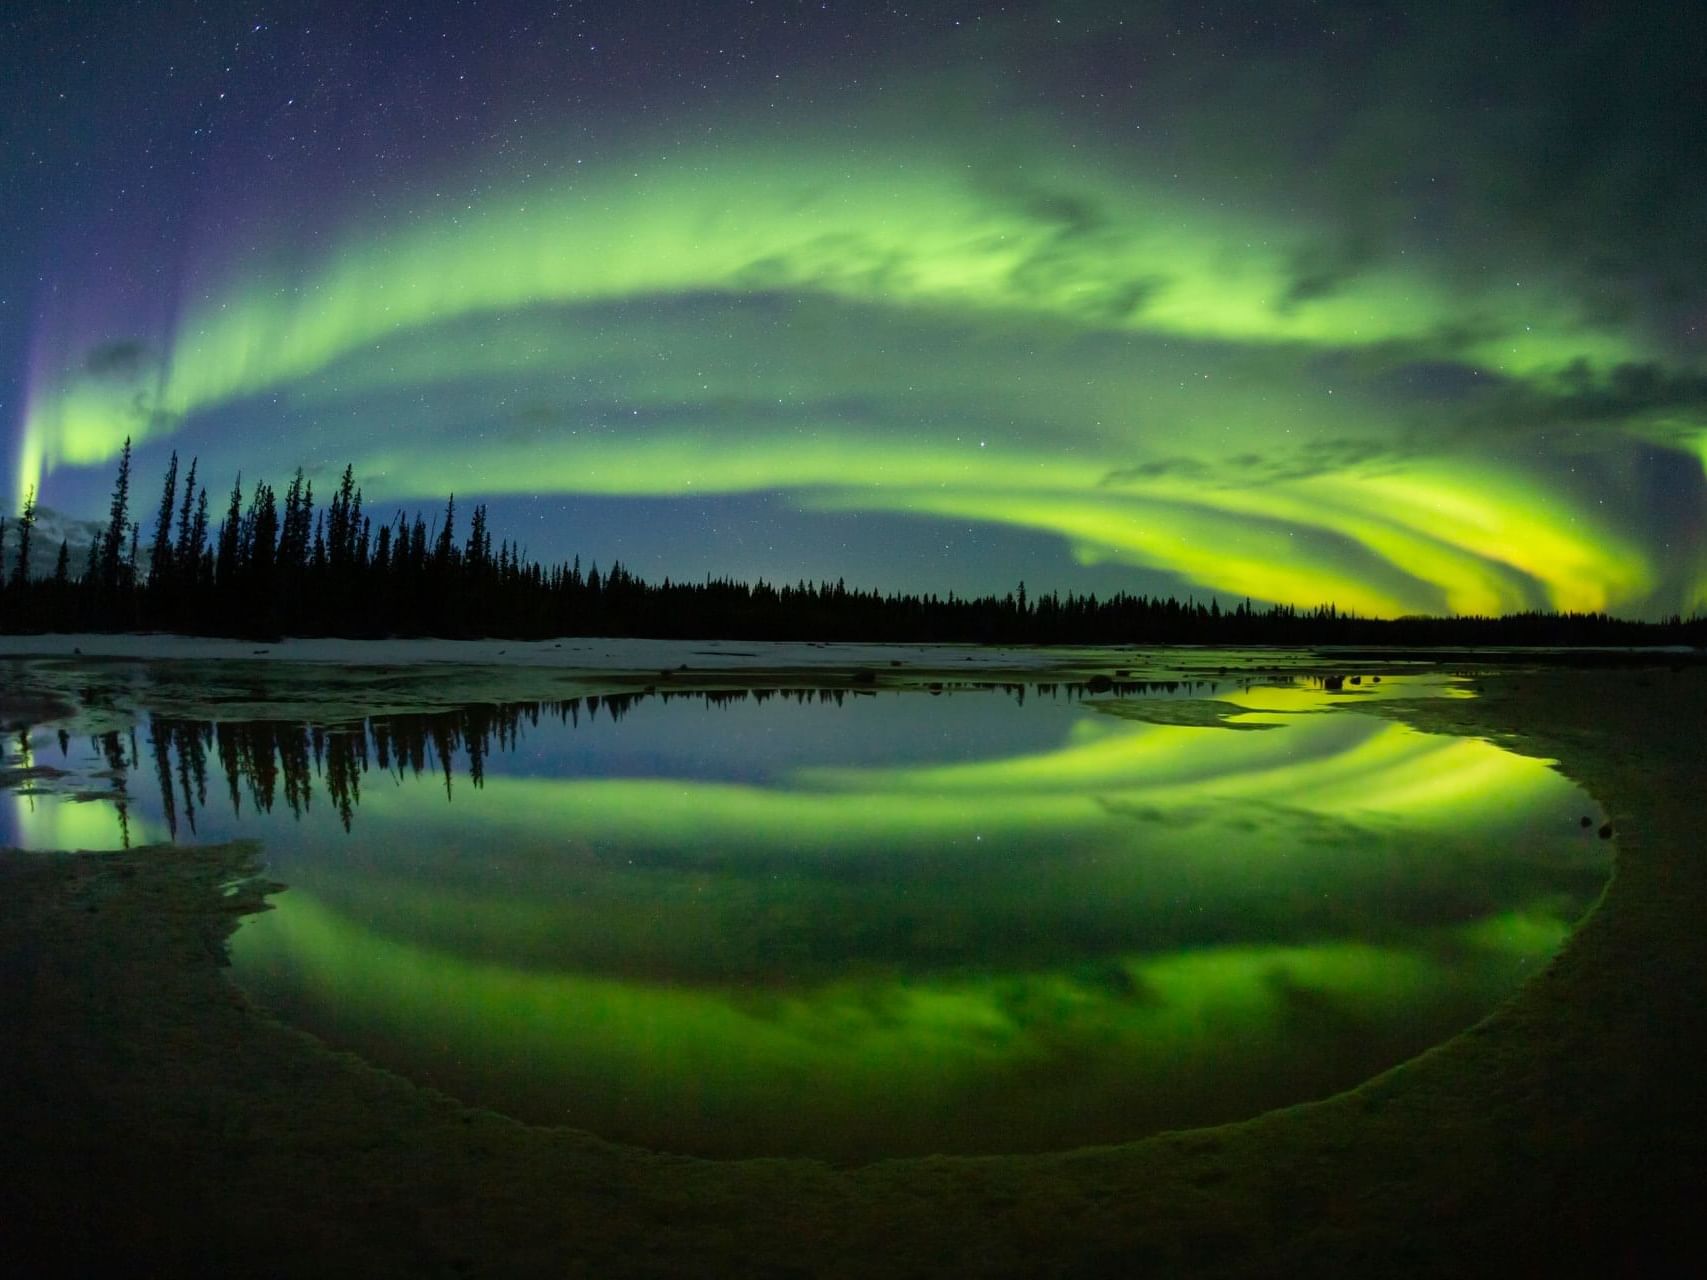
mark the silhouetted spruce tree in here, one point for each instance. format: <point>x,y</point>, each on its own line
<point>343,519</point>
<point>160,550</point>
<point>445,548</point>
<point>194,563</point>
<point>228,559</point>
<point>295,529</point>
<point>258,550</point>
<point>183,550</point>
<point>479,551</point>
<point>262,536</point>
<point>26,525</point>
<point>62,566</point>
<point>118,518</point>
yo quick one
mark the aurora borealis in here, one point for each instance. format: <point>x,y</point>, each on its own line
<point>1402,310</point>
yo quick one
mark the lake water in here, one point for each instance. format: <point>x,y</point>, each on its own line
<point>857,924</point>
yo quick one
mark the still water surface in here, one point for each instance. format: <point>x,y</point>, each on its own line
<point>989,919</point>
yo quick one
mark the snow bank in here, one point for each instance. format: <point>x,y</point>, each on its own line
<point>568,653</point>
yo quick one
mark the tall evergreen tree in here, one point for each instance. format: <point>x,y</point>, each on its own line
<point>190,556</point>
<point>118,521</point>
<point>442,551</point>
<point>183,552</point>
<point>295,524</point>
<point>160,551</point>
<point>262,537</point>
<point>478,555</point>
<point>342,520</point>
<point>26,524</point>
<point>226,562</point>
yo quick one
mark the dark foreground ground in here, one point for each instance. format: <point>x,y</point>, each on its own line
<point>154,1123</point>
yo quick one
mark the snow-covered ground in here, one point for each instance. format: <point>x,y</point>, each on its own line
<point>570,653</point>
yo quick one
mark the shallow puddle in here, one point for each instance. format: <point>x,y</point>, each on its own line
<point>858,924</point>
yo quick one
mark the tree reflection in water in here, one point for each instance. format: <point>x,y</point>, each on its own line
<point>262,760</point>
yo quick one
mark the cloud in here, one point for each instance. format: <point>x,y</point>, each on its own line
<point>1625,391</point>
<point>1309,459</point>
<point>122,359</point>
<point>1322,268</point>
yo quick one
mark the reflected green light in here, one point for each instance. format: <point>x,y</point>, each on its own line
<point>1334,765</point>
<point>862,960</point>
<point>95,824</point>
<point>1331,765</point>
<point>872,1067</point>
<point>45,819</point>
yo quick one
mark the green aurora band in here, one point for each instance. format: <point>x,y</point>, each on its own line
<point>1140,454</point>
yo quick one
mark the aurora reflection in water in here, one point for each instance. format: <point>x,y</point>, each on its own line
<point>1002,918</point>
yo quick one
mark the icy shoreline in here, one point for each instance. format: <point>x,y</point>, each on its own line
<point>570,653</point>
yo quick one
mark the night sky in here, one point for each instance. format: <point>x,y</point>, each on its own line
<point>1403,307</point>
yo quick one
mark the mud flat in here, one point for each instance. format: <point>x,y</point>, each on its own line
<point>155,1120</point>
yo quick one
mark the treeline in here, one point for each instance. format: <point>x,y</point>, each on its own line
<point>275,567</point>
